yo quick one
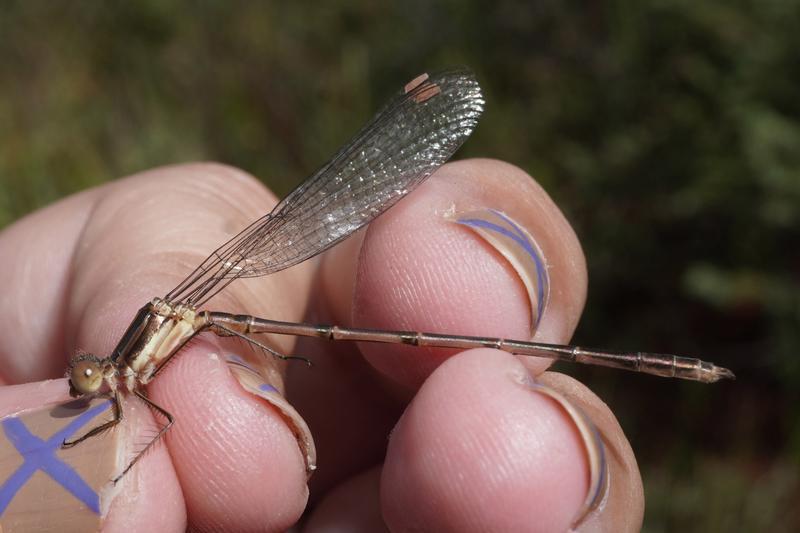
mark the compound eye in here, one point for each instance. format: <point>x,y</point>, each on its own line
<point>86,377</point>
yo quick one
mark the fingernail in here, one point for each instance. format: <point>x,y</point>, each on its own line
<point>259,381</point>
<point>593,445</point>
<point>42,484</point>
<point>519,248</point>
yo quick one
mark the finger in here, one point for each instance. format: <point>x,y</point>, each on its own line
<point>620,505</point>
<point>480,449</point>
<point>34,280</point>
<point>477,449</point>
<point>240,467</point>
<point>75,492</point>
<point>351,507</point>
<point>419,271</point>
<point>144,235</point>
<point>36,286</point>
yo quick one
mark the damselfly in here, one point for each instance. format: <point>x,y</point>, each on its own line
<point>412,136</point>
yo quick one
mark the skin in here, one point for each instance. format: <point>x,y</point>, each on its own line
<point>472,448</point>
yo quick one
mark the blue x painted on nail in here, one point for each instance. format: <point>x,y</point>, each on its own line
<point>40,454</point>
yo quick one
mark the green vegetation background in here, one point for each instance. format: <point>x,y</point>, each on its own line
<point>667,130</point>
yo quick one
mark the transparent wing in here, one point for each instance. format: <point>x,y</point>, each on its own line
<point>412,136</point>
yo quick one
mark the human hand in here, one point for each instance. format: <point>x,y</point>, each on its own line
<point>476,448</point>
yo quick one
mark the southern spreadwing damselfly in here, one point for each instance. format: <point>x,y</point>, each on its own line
<point>412,136</point>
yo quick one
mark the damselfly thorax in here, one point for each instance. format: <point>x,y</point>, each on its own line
<point>411,137</point>
<point>156,333</point>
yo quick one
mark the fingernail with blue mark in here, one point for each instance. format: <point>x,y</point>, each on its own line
<point>252,376</point>
<point>519,248</point>
<point>593,445</point>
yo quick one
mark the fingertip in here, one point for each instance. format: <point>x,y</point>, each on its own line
<point>491,184</point>
<point>619,506</point>
<point>353,507</point>
<point>478,450</point>
<point>71,488</point>
<point>419,271</point>
<point>239,464</point>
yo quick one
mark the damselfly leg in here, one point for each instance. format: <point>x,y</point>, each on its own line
<point>163,412</point>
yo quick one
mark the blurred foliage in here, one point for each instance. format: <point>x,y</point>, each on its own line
<point>668,131</point>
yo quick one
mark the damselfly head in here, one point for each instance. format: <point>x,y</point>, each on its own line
<point>85,375</point>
